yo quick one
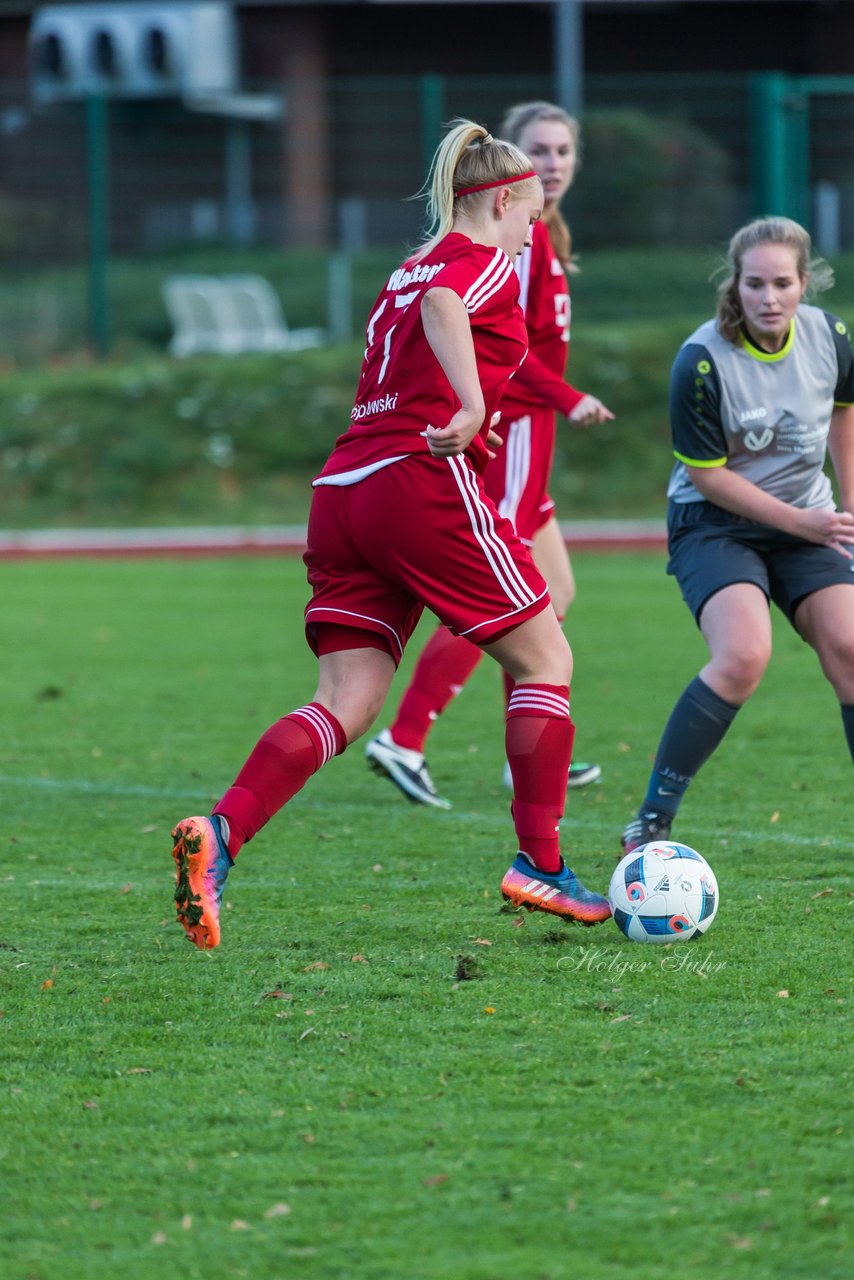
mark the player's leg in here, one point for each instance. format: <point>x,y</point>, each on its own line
<point>552,559</point>
<point>826,621</point>
<point>736,626</point>
<point>397,753</point>
<point>357,625</point>
<point>448,660</point>
<point>538,739</point>
<point>352,686</point>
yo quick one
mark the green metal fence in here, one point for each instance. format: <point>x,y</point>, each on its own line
<point>667,159</point>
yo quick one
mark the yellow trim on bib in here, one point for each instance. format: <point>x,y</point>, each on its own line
<point>697,462</point>
<point>768,357</point>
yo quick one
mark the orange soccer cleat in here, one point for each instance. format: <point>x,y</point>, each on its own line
<point>562,894</point>
<point>203,864</point>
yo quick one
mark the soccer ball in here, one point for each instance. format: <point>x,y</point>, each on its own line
<point>663,892</point>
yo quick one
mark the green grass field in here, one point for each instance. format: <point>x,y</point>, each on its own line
<point>380,1074</point>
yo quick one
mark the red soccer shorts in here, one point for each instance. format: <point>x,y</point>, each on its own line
<point>517,478</point>
<point>418,533</point>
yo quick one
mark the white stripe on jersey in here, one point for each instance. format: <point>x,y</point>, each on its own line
<point>483,526</point>
<point>322,728</point>
<point>488,282</point>
<point>524,698</point>
<point>523,271</point>
<point>517,466</point>
<point>496,284</point>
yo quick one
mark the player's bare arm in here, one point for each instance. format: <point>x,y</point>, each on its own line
<point>447,329</point>
<point>840,446</point>
<point>734,493</point>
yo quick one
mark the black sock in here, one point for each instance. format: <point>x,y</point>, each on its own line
<point>696,726</point>
<point>848,723</point>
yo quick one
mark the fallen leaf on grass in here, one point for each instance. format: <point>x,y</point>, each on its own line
<point>318,964</point>
<point>481,942</point>
<point>783,995</point>
<point>358,958</point>
<point>159,1237</point>
<point>739,1242</point>
<point>47,984</point>
<point>825,893</point>
<point>90,1105</point>
<point>126,888</point>
<point>308,1032</point>
<point>239,1225</point>
<point>436,1180</point>
<point>138,1071</point>
<point>187,1222</point>
<point>622,1017</point>
<point>280,1210</point>
<point>775,816</point>
<point>277,994</point>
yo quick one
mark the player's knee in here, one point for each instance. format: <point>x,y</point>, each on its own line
<point>837,661</point>
<point>742,668</point>
<point>562,596</point>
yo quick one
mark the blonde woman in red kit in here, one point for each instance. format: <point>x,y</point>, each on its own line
<point>518,478</point>
<point>400,501</point>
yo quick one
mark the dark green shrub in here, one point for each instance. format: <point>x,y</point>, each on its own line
<point>649,180</point>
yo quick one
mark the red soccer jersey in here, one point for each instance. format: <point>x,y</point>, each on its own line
<point>544,298</point>
<point>402,387</point>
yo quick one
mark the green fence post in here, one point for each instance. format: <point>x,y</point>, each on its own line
<point>96,149</point>
<point>797,108</point>
<point>768,143</point>
<point>432,95</point>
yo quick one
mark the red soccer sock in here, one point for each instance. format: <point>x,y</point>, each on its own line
<point>539,737</point>
<point>279,766</point>
<point>445,665</point>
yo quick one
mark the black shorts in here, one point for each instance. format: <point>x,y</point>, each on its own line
<point>710,549</point>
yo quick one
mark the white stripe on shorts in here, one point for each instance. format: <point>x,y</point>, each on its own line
<point>517,466</point>
<point>348,613</point>
<point>496,551</point>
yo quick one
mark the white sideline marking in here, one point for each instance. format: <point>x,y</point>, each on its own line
<point>708,837</point>
<point>103,788</point>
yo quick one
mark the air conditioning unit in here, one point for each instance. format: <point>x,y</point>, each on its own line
<point>135,49</point>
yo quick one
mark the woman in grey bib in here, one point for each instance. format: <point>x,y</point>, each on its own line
<point>758,397</point>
